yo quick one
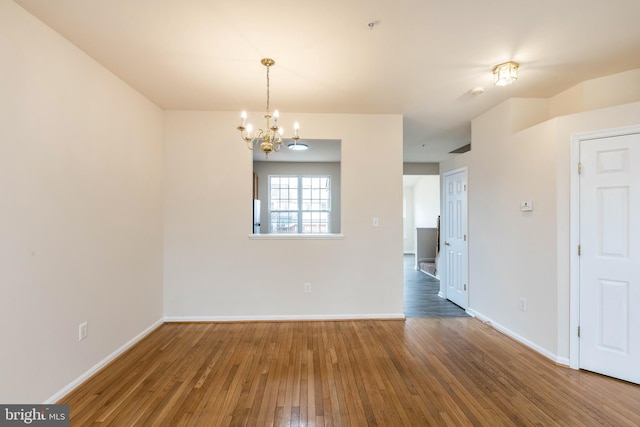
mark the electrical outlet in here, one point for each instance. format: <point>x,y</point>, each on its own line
<point>523,304</point>
<point>83,330</point>
<point>307,288</point>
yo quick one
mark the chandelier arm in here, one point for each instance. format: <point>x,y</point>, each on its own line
<point>257,138</point>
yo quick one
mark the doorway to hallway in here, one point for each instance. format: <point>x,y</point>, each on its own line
<point>421,211</point>
<point>421,294</point>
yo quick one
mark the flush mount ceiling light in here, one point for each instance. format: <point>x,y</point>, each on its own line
<point>268,139</point>
<point>506,73</point>
<point>298,146</point>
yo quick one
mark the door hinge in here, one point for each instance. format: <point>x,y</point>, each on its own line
<point>465,286</point>
<point>579,168</point>
<point>578,331</point>
<point>465,237</point>
<point>579,250</point>
<point>465,187</point>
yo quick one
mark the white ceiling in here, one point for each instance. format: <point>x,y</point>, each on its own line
<point>421,59</point>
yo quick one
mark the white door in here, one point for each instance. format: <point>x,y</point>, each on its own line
<point>610,256</point>
<point>455,238</point>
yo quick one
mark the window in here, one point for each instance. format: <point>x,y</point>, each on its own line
<point>279,206</point>
<point>300,204</point>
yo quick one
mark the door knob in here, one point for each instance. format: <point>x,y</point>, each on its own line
<point>446,243</point>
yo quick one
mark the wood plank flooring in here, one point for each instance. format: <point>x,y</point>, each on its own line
<point>418,372</point>
<point>421,294</point>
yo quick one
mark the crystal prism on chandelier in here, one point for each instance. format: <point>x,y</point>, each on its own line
<point>268,139</point>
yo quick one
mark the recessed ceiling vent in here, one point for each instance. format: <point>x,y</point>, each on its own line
<point>462,149</point>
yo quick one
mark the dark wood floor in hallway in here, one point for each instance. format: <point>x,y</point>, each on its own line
<point>414,372</point>
<point>421,294</point>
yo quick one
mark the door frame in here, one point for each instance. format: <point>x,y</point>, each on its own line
<point>574,233</point>
<point>443,214</point>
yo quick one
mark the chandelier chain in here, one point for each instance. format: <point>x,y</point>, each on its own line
<point>268,89</point>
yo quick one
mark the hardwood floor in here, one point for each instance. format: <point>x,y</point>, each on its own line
<point>421,294</point>
<point>417,372</point>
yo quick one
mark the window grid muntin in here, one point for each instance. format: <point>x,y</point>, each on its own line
<point>300,204</point>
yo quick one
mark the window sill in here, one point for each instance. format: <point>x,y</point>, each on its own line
<point>329,236</point>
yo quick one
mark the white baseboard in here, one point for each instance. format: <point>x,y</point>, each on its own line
<point>510,333</point>
<point>82,378</point>
<point>283,318</point>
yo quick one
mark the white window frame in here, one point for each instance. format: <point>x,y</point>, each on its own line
<point>300,211</point>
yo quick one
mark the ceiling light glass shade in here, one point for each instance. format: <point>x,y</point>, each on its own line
<point>269,138</point>
<point>298,146</point>
<point>506,73</point>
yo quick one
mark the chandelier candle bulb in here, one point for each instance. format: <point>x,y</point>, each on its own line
<point>276,115</point>
<point>243,118</point>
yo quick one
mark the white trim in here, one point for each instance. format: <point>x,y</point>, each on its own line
<point>510,333</point>
<point>267,318</point>
<point>428,274</point>
<point>332,236</point>
<point>606,133</point>
<point>82,378</point>
<point>574,238</point>
<point>574,261</point>
<point>455,171</point>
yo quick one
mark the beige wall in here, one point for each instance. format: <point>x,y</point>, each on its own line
<point>609,91</point>
<point>508,256</point>
<point>213,270</point>
<point>80,222</point>
<point>408,227</point>
<point>515,254</point>
<point>426,201</point>
<point>422,204</point>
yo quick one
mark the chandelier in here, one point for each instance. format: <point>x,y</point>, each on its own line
<point>268,139</point>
